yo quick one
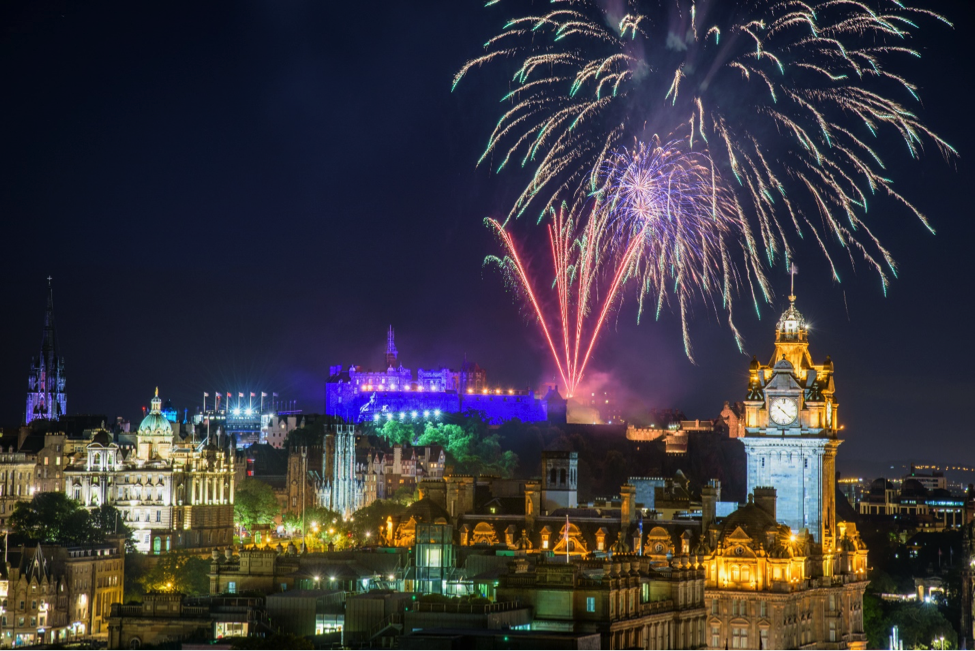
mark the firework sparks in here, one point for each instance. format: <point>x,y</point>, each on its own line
<point>660,217</point>
<point>787,97</point>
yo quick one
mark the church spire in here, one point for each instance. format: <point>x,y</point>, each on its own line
<point>45,385</point>
<point>49,343</point>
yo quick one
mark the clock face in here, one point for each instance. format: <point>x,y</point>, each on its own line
<point>783,411</point>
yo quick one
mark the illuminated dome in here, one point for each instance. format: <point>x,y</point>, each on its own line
<point>155,424</point>
<point>791,325</point>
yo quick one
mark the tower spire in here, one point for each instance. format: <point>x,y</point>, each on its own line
<point>45,385</point>
<point>792,282</point>
<point>391,352</point>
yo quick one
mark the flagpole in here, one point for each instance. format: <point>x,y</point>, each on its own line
<point>567,538</point>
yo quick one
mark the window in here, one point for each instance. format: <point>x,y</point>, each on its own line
<point>832,631</point>
<point>739,638</point>
<point>763,609</point>
<point>158,516</point>
<point>763,638</point>
<point>232,587</point>
<point>715,637</point>
<point>590,604</point>
<point>714,609</point>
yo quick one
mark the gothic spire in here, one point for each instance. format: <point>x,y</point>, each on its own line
<point>49,343</point>
<point>45,385</point>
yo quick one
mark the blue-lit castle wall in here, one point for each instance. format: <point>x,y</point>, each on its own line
<point>359,398</point>
<point>359,395</point>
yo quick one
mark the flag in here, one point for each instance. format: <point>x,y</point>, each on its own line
<point>253,395</point>
<point>206,395</point>
<point>275,395</point>
<point>218,394</point>
<point>241,394</point>
<point>263,395</point>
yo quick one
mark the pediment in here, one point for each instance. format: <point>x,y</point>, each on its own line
<point>738,536</point>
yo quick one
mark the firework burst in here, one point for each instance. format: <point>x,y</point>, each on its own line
<point>660,217</point>
<point>789,98</point>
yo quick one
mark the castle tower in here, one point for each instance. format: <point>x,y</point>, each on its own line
<point>791,433</point>
<point>45,385</point>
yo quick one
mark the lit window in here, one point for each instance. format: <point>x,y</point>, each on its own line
<point>590,604</point>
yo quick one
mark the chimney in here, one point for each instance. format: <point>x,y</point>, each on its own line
<point>765,499</point>
<point>709,504</point>
<point>628,508</point>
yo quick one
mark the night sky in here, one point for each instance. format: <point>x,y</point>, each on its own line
<point>235,195</point>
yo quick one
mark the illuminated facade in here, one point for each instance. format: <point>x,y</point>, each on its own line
<point>781,572</point>
<point>359,395</point>
<point>791,428</point>
<point>55,594</point>
<point>18,481</point>
<point>174,493</point>
<point>344,491</point>
<point>45,385</point>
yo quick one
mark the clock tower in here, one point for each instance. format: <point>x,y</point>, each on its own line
<point>791,433</point>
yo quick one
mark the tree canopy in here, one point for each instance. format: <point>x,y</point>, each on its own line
<point>255,504</point>
<point>56,518</point>
<point>468,445</point>
<point>177,571</point>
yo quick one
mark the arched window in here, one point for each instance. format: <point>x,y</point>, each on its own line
<point>744,573</point>
<point>552,477</point>
<point>562,481</point>
<point>735,573</point>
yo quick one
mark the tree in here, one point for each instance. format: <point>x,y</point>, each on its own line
<point>51,518</point>
<point>178,571</point>
<point>255,504</point>
<point>920,624</point>
<point>56,518</point>
<point>107,521</point>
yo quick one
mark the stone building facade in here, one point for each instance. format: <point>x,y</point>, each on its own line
<point>632,602</point>
<point>781,571</point>
<point>56,594</point>
<point>164,620</point>
<point>18,481</point>
<point>174,493</point>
